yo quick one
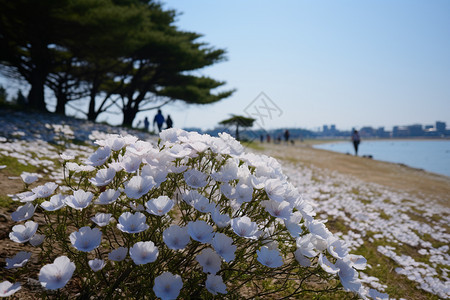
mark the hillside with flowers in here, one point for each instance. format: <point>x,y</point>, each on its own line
<point>93,211</point>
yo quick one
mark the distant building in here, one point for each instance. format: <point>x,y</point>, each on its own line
<point>440,127</point>
<point>415,130</point>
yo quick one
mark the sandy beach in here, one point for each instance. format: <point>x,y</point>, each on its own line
<point>396,176</point>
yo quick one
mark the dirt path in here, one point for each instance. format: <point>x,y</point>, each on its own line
<point>415,181</point>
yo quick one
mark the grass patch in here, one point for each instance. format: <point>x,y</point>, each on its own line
<point>5,201</point>
<point>337,225</point>
<point>15,168</point>
<point>383,215</point>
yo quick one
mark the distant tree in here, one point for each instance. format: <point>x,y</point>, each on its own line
<point>238,121</point>
<point>3,95</point>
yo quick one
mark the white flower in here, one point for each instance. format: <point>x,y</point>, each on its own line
<point>96,264</point>
<point>23,233</point>
<point>374,294</point>
<point>139,186</point>
<point>293,224</point>
<point>56,202</point>
<point>79,200</point>
<point>7,288</point>
<point>29,178</point>
<point>244,227</point>
<point>71,166</point>
<point>118,254</point>
<point>214,284</point>
<point>44,191</point>
<point>318,228</point>
<point>227,172</point>
<point>195,178</point>
<point>326,265</point>
<point>144,252</point>
<point>275,189</point>
<point>65,156</point>
<point>203,205</point>
<point>101,219</point>
<point>220,220</point>
<point>23,212</point>
<point>348,276</point>
<point>159,206</point>
<point>139,148</point>
<point>280,210</point>
<point>302,260</point>
<point>243,193</point>
<point>336,247</point>
<point>56,275</point>
<point>99,157</point>
<point>103,177</point>
<point>158,174</point>
<point>167,286</point>
<point>131,163</point>
<point>269,258</point>
<point>86,239</point>
<point>356,261</point>
<point>305,246</point>
<point>227,190</point>
<point>200,231</point>
<point>107,197</point>
<point>224,246</point>
<point>37,239</point>
<point>132,223</point>
<point>18,261</point>
<point>190,197</point>
<point>25,197</point>
<point>209,260</point>
<point>176,237</point>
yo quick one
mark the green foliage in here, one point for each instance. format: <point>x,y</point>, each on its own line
<point>14,167</point>
<point>103,51</point>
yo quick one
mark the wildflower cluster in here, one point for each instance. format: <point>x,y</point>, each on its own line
<point>191,216</point>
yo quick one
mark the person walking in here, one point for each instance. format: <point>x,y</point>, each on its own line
<point>146,123</point>
<point>159,120</point>
<point>169,122</point>
<point>356,140</point>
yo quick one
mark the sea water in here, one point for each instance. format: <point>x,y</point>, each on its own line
<point>430,155</point>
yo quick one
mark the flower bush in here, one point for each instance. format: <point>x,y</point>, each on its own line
<point>192,216</point>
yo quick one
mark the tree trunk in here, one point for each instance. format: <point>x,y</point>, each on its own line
<point>36,98</point>
<point>128,117</point>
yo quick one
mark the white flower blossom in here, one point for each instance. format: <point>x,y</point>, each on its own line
<point>18,261</point>
<point>96,264</point>
<point>86,239</point>
<point>23,233</point>
<point>269,258</point>
<point>8,289</point>
<point>118,254</point>
<point>223,245</point>
<point>44,191</point>
<point>176,237</point>
<point>209,260</point>
<point>159,206</point>
<point>139,186</point>
<point>56,275</point>
<point>244,227</point>
<point>56,202</point>
<point>214,284</point>
<point>195,179</point>
<point>101,219</point>
<point>24,212</point>
<point>132,223</point>
<point>200,231</point>
<point>144,252</point>
<point>103,177</point>
<point>79,200</point>
<point>107,197</point>
<point>167,286</point>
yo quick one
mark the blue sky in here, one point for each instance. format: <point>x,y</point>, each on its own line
<point>348,63</point>
<point>351,63</point>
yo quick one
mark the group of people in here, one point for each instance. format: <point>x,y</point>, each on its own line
<point>159,120</point>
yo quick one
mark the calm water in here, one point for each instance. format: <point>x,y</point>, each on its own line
<point>432,156</point>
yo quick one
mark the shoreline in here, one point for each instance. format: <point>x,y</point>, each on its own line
<point>431,186</point>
